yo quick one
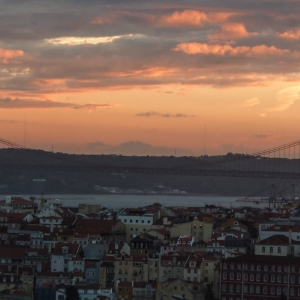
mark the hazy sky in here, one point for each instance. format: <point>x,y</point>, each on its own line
<point>148,77</point>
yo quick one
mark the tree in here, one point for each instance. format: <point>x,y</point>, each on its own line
<point>71,293</point>
<point>283,297</point>
<point>209,295</point>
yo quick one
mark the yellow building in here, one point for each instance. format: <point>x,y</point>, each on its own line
<point>208,269</point>
<point>200,230</point>
<point>130,267</point>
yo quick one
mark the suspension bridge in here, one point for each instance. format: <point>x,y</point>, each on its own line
<point>278,162</point>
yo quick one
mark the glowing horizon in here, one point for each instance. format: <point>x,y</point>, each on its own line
<point>146,79</point>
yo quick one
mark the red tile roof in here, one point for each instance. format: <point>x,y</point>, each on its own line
<point>72,248</point>
<point>15,200</point>
<point>124,284</point>
<point>276,239</point>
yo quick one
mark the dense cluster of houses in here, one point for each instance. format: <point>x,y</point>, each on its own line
<point>151,252</point>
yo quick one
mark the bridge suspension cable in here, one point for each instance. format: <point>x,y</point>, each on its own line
<point>11,144</point>
<point>276,149</point>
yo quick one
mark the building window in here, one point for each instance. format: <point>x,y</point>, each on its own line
<point>224,276</point>
<point>279,269</point>
<point>252,267</point>
<point>273,278</point>
<point>238,288</point>
<point>284,279</point>
<point>251,277</point>
<point>279,250</point>
<point>271,249</point>
<point>231,266</point>
<point>292,292</point>
<point>278,279</point>
<point>239,266</point>
<point>245,289</point>
<point>251,290</point>
<point>257,289</point>
<point>238,276</point>
<point>292,279</point>
<point>278,290</point>
<point>263,249</point>
<point>245,276</point>
<point>273,268</point>
<point>272,290</point>
<point>257,277</point>
<point>265,268</point>
<point>231,276</point>
<point>265,290</point>
<point>265,278</point>
<point>258,267</point>
<point>224,288</point>
<point>224,266</point>
<point>231,288</point>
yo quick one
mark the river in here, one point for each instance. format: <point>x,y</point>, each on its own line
<point>116,201</point>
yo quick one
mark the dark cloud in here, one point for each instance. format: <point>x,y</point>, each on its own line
<point>264,136</point>
<point>136,148</point>
<point>237,148</point>
<point>11,121</point>
<point>96,145</point>
<point>29,26</point>
<point>166,115</point>
<point>17,103</point>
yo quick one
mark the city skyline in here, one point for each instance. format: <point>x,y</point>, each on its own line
<point>149,78</point>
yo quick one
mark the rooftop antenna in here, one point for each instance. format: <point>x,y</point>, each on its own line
<point>25,132</point>
<point>204,142</point>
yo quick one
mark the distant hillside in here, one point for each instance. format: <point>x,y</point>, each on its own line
<point>14,182</point>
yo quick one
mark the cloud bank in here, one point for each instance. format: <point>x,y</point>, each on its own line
<point>17,103</point>
<point>166,115</point>
<point>136,148</point>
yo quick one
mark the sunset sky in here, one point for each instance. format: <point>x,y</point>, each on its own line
<point>150,77</point>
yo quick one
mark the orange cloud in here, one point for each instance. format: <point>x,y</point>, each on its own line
<point>6,55</point>
<point>286,97</point>
<point>192,18</point>
<point>231,31</point>
<point>221,50</point>
<point>150,72</point>
<point>251,102</point>
<point>290,35</point>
